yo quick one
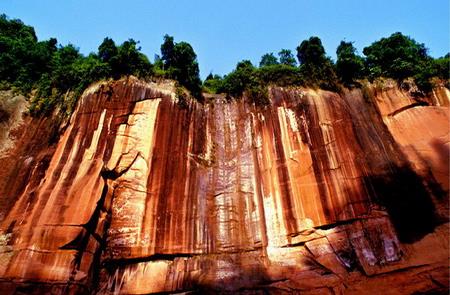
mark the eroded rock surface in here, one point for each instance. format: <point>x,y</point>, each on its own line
<point>319,193</point>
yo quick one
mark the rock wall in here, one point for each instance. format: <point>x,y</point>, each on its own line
<point>320,193</point>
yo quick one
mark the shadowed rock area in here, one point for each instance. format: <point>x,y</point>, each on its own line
<point>318,193</point>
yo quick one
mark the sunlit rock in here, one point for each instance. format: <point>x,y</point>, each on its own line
<point>319,193</point>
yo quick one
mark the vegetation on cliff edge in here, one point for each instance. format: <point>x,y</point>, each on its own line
<point>398,57</point>
<point>55,75</point>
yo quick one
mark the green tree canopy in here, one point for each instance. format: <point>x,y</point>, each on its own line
<point>180,62</point>
<point>129,60</point>
<point>107,50</point>
<point>280,75</point>
<point>212,83</point>
<point>236,82</point>
<point>311,51</point>
<point>287,57</point>
<point>315,66</point>
<point>167,50</point>
<point>54,70</point>
<point>397,56</point>
<point>442,67</point>
<point>349,66</point>
<point>268,59</point>
<point>23,59</point>
<point>62,63</point>
<point>245,78</point>
<point>15,28</point>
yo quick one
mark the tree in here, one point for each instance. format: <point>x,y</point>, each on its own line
<point>287,58</point>
<point>158,67</point>
<point>167,51</point>
<point>280,75</point>
<point>107,50</point>
<point>185,68</point>
<point>89,69</point>
<point>180,62</point>
<point>315,66</point>
<point>236,82</point>
<point>62,74</point>
<point>15,28</point>
<point>311,51</point>
<point>53,71</point>
<point>397,57</point>
<point>22,58</point>
<point>442,67</point>
<point>268,59</point>
<point>349,66</point>
<point>130,61</point>
<point>212,83</point>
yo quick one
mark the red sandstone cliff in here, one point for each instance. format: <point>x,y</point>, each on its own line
<point>319,193</point>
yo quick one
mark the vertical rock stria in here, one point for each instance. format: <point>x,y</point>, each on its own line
<point>319,193</point>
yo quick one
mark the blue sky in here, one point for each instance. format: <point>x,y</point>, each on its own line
<point>225,32</point>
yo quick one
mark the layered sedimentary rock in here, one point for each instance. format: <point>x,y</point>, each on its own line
<point>319,192</point>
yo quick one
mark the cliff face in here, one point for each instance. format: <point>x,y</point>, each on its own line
<point>319,193</point>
